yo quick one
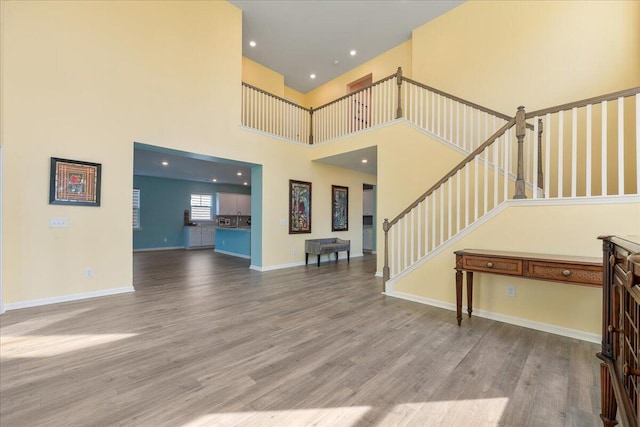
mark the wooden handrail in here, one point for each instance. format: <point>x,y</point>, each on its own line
<point>457,99</point>
<point>455,170</point>
<point>275,96</point>
<point>595,100</point>
<point>463,101</point>
<point>355,92</point>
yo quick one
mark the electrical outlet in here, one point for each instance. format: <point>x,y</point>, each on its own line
<point>283,222</point>
<point>165,240</point>
<point>58,223</point>
<point>88,272</point>
<point>511,291</point>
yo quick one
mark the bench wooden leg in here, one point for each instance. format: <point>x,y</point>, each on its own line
<point>318,260</point>
<point>306,258</point>
<point>348,256</point>
<point>336,256</point>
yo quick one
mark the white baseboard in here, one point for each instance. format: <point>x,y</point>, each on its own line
<point>539,326</point>
<point>301,263</point>
<point>66,298</point>
<point>277,267</point>
<point>378,274</point>
<point>220,251</point>
<point>167,248</point>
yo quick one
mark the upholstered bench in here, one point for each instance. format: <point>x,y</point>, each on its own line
<point>326,246</point>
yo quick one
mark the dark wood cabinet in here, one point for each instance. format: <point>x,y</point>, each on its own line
<point>620,369</point>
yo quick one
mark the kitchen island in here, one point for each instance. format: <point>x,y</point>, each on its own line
<point>234,241</point>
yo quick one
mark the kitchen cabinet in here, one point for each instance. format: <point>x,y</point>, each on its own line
<point>367,202</point>
<point>232,203</point>
<point>199,237</point>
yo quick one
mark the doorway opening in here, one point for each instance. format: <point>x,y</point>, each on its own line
<point>360,101</point>
<point>368,218</point>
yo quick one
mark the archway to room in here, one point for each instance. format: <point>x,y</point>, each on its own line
<point>184,200</point>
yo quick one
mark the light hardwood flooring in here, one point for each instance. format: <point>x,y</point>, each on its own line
<point>206,341</point>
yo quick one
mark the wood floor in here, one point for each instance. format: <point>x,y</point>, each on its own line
<point>204,341</point>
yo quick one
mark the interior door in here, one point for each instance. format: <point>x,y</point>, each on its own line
<point>360,103</point>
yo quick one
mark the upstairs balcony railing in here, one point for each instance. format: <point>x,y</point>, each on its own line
<point>589,148</point>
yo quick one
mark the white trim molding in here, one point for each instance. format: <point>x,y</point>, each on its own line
<point>300,263</point>
<point>518,321</point>
<point>67,298</point>
<point>167,248</point>
<point>220,251</point>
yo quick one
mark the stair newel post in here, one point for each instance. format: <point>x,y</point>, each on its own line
<point>540,173</point>
<point>385,269</point>
<point>311,126</point>
<point>399,81</point>
<point>521,128</point>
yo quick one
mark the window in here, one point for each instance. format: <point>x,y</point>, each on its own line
<point>136,208</point>
<point>201,206</point>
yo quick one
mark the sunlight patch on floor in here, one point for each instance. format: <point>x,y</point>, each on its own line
<point>39,322</point>
<point>348,416</point>
<point>32,346</point>
<point>473,412</point>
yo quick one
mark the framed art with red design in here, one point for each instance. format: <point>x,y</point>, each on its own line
<point>74,182</point>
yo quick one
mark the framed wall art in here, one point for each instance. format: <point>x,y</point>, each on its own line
<point>299,207</point>
<point>339,208</point>
<point>73,182</point>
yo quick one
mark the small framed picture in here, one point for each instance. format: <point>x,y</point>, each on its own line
<point>339,208</point>
<point>299,207</point>
<point>74,182</point>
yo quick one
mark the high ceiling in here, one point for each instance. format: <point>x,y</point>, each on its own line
<point>298,38</point>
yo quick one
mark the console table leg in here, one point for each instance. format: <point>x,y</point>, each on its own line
<point>459,296</point>
<point>469,291</point>
<point>608,398</point>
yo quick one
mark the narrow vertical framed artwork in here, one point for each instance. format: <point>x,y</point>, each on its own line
<point>339,208</point>
<point>299,207</point>
<point>74,182</point>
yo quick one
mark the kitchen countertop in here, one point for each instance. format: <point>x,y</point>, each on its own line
<point>234,228</point>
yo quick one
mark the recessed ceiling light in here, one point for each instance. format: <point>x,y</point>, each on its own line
<point>214,180</point>
<point>239,174</point>
<point>313,76</point>
<point>246,183</point>
<point>165,163</point>
<point>364,160</point>
<point>353,52</point>
<point>252,43</point>
<point>336,62</point>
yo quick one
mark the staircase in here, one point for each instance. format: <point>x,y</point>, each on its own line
<point>581,150</point>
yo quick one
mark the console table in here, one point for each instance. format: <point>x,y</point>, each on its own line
<point>585,271</point>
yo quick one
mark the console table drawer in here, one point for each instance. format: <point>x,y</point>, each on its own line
<point>495,265</point>
<point>582,274</point>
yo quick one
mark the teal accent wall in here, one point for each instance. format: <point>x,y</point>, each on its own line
<point>162,205</point>
<point>234,241</point>
<point>256,216</point>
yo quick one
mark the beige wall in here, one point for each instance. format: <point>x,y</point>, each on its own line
<point>262,77</point>
<point>502,54</point>
<point>564,230</point>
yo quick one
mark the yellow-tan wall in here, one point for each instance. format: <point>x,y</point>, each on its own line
<point>532,53</point>
<point>262,77</point>
<point>84,81</point>
<point>564,230</point>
